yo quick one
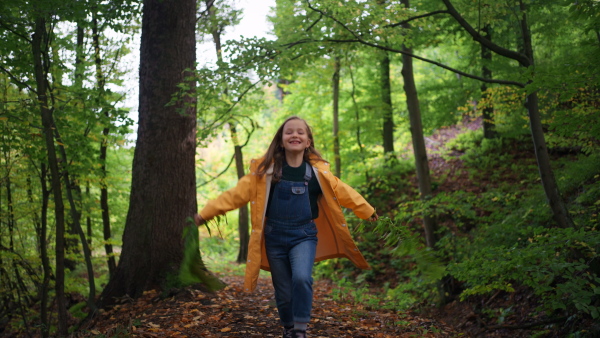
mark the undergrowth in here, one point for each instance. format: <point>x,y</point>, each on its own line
<point>489,242</point>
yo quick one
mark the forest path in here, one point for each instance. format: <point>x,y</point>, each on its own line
<point>233,313</point>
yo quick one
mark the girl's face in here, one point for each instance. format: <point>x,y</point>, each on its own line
<point>295,136</point>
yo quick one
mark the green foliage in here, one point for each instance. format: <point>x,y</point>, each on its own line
<point>77,310</point>
<point>405,248</point>
<point>470,139</point>
<point>560,275</point>
<point>513,246</point>
<point>192,269</point>
<point>479,153</point>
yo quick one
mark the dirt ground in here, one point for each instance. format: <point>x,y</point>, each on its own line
<point>233,313</point>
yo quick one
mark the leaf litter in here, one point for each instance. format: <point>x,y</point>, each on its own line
<point>231,312</point>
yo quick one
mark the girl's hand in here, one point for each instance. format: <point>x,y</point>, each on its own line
<point>198,219</point>
<point>374,218</point>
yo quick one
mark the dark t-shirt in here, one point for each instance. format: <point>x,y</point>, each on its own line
<point>297,175</point>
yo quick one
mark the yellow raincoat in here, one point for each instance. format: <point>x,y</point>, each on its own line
<point>333,234</point>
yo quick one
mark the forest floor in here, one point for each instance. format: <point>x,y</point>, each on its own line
<point>191,312</point>
<point>234,313</point>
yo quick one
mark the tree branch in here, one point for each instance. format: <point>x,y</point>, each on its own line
<point>8,28</point>
<point>521,58</point>
<point>17,81</point>
<point>314,23</point>
<point>417,17</point>
<point>218,175</point>
<point>359,39</point>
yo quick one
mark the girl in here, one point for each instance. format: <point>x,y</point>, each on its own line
<point>295,203</point>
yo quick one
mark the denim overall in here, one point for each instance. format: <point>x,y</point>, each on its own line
<point>290,243</point>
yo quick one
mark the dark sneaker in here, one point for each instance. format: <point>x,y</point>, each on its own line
<point>288,332</point>
<point>298,334</point>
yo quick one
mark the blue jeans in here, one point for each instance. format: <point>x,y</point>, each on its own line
<point>291,253</point>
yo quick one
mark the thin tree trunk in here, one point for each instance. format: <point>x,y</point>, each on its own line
<point>243,219</point>
<point>88,218</point>
<point>386,104</point>
<point>418,140</point>
<point>40,39</point>
<point>489,127</point>
<point>555,200</point>
<point>336,117</point>
<point>16,286</point>
<point>243,214</point>
<point>45,286</point>
<point>73,196</point>
<point>557,204</point>
<point>357,119</point>
<point>106,229</point>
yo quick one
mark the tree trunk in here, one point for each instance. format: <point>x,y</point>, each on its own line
<point>357,119</point>
<point>40,38</point>
<point>418,140</point>
<point>489,127</point>
<point>88,219</point>
<point>386,104</point>
<point>557,204</point>
<point>106,230</point>
<point>73,192</point>
<point>16,286</point>
<point>163,188</point>
<point>44,287</point>
<point>243,214</point>
<point>244,218</point>
<point>336,117</point>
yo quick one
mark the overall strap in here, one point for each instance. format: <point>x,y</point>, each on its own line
<point>308,173</point>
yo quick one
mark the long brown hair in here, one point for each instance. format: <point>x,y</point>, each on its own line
<point>276,153</point>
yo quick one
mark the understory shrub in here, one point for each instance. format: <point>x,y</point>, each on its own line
<point>554,263</point>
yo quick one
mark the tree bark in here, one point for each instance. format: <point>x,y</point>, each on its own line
<point>40,38</point>
<point>336,116</point>
<point>244,217</point>
<point>386,104</point>
<point>489,127</point>
<point>43,234</point>
<point>163,188</point>
<point>418,140</point>
<point>555,200</point>
<point>73,192</point>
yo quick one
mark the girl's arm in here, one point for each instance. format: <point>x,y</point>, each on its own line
<point>350,198</point>
<point>231,199</point>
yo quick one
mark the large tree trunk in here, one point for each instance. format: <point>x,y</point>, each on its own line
<point>386,104</point>
<point>489,127</point>
<point>336,117</point>
<point>418,140</point>
<point>163,188</point>
<point>40,38</point>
